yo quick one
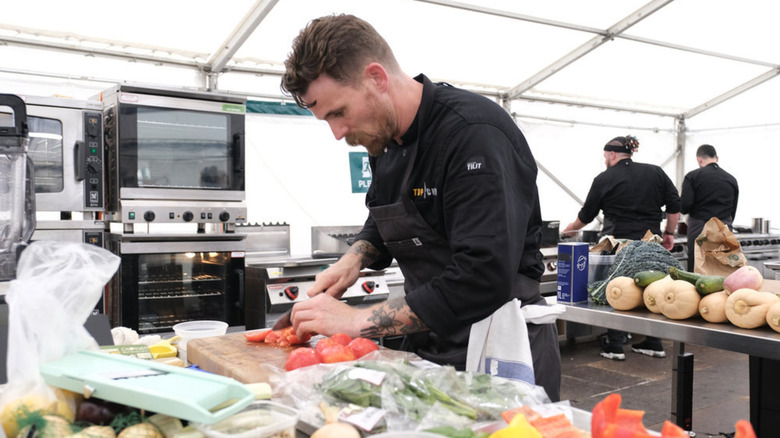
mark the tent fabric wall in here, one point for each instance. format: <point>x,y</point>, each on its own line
<point>297,173</point>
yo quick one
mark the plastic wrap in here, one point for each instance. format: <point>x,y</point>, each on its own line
<point>57,287</point>
<point>401,394</point>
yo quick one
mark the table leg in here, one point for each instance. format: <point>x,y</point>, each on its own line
<point>682,386</point>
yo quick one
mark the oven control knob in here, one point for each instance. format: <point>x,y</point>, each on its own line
<point>291,292</point>
<point>148,216</point>
<point>369,286</point>
<point>187,216</point>
<point>224,216</point>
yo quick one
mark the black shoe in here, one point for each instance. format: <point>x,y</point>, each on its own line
<point>613,352</point>
<point>652,349</point>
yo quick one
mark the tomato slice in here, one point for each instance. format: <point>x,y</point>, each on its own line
<point>257,335</point>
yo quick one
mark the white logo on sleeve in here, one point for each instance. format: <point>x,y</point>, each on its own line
<point>473,165</point>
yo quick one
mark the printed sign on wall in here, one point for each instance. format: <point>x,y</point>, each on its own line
<point>360,171</point>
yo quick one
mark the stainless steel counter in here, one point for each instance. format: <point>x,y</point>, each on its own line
<point>762,342</point>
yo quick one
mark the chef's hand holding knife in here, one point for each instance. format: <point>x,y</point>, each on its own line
<point>323,313</point>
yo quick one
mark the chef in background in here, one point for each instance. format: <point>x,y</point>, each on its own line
<point>634,198</point>
<point>707,192</point>
<point>453,199</point>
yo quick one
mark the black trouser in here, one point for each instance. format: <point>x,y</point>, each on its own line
<point>618,338</point>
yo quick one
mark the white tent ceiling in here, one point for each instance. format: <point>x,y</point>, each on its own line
<point>713,61</point>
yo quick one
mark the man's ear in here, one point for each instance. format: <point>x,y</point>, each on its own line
<point>377,75</point>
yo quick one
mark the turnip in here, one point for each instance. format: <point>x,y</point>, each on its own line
<point>746,277</point>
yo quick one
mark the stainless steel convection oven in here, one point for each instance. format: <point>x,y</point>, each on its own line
<point>66,149</point>
<point>175,194</point>
<point>174,156</point>
<point>165,280</point>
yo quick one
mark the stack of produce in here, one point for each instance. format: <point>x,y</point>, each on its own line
<point>637,256</point>
<point>679,294</point>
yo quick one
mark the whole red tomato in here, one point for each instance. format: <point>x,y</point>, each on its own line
<point>301,357</point>
<point>337,353</point>
<point>362,346</point>
<point>324,343</point>
<point>341,338</point>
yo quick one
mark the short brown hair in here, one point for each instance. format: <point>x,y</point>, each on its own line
<point>337,45</point>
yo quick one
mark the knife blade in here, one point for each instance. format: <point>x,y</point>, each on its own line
<point>284,321</point>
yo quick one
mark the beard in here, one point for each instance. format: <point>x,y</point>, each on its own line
<point>376,140</point>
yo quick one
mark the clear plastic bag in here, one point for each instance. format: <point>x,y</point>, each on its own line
<point>57,286</point>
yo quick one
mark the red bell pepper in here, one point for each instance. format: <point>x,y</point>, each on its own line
<point>608,420</point>
<point>744,430</point>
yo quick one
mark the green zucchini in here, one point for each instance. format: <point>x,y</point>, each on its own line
<point>681,274</point>
<point>644,278</point>
<point>707,284</point>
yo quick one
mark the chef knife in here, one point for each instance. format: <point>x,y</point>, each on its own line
<point>284,321</point>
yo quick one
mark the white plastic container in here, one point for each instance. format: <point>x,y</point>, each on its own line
<point>196,329</point>
<point>261,419</point>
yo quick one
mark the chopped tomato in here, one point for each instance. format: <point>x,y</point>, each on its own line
<point>273,337</point>
<point>257,335</point>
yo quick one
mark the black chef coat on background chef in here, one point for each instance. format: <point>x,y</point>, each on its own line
<point>631,195</point>
<point>707,192</point>
<point>457,206</point>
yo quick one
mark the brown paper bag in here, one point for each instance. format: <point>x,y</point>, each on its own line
<point>717,251</point>
<point>612,246</point>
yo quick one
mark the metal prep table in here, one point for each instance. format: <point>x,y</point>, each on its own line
<point>761,344</point>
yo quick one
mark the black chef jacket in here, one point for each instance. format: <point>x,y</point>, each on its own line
<point>631,195</point>
<point>709,192</point>
<point>474,183</point>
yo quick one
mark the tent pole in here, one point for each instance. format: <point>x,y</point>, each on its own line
<point>680,151</point>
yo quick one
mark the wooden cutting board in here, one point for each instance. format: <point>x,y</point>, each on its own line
<point>233,356</point>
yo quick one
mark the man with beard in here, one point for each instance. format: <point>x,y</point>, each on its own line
<point>453,199</point>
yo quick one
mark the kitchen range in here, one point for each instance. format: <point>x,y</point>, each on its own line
<point>276,281</point>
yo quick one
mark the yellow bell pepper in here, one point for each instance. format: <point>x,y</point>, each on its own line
<point>519,427</point>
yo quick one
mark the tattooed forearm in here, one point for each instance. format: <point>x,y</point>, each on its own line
<point>392,318</point>
<point>368,252</point>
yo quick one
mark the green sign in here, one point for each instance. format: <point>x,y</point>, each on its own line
<point>360,171</point>
<point>233,108</point>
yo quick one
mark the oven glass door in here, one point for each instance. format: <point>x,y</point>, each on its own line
<point>180,147</point>
<point>162,290</point>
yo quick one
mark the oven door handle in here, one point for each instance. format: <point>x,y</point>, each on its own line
<point>79,160</point>
<point>240,303</point>
<point>238,153</point>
